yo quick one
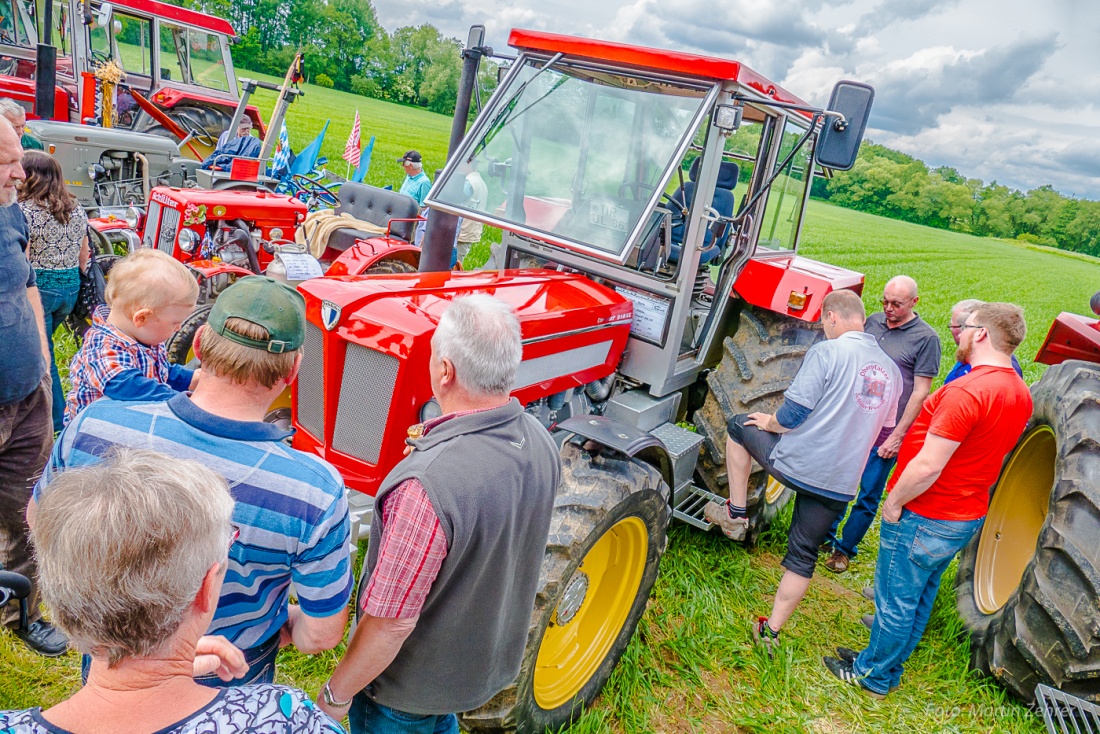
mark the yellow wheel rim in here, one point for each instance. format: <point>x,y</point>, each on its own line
<point>1015,518</point>
<point>773,491</point>
<point>591,612</point>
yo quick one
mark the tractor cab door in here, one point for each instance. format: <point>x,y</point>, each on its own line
<point>127,40</point>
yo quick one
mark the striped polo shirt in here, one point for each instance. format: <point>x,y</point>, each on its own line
<point>291,507</point>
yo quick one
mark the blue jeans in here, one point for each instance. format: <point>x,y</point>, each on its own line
<point>56,305</point>
<point>370,717</point>
<point>913,554</point>
<point>261,667</point>
<point>864,509</point>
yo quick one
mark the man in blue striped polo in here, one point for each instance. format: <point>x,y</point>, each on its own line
<point>291,507</point>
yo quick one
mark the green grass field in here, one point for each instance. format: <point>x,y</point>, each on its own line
<point>691,667</point>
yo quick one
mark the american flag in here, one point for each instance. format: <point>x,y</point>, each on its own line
<point>352,148</point>
<point>281,161</point>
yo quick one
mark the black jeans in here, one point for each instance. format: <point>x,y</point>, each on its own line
<point>26,437</point>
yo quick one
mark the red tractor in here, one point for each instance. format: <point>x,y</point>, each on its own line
<point>175,58</point>
<point>223,235</point>
<point>651,204</point>
<point>1028,587</point>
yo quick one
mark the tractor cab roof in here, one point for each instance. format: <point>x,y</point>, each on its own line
<point>179,14</point>
<point>641,57</point>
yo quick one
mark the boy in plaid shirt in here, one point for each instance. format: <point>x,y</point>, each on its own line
<point>149,294</point>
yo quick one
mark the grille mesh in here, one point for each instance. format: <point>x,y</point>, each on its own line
<point>366,392</point>
<point>311,393</point>
<point>541,369</point>
<point>169,223</point>
<point>152,225</point>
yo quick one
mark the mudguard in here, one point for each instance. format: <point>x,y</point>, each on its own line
<point>358,258</point>
<point>624,438</point>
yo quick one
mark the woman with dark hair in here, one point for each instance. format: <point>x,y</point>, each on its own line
<point>57,234</point>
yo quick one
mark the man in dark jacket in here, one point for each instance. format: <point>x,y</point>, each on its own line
<point>458,536</point>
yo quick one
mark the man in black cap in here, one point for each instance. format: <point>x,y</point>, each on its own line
<point>416,183</point>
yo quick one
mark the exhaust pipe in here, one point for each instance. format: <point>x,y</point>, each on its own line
<point>439,237</point>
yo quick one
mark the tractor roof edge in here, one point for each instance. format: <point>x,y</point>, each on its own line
<point>702,67</point>
<point>180,14</point>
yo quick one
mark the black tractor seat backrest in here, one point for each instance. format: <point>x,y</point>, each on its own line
<point>723,202</point>
<point>379,206</point>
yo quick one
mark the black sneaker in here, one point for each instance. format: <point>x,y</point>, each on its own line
<point>843,671</point>
<point>44,639</point>
<point>848,655</point>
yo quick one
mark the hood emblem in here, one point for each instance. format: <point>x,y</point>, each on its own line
<point>330,315</point>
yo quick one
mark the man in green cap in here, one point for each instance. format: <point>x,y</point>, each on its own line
<point>291,507</point>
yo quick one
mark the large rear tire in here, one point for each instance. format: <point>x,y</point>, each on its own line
<point>1028,586</point>
<point>390,267</point>
<point>607,536</point>
<point>759,362</point>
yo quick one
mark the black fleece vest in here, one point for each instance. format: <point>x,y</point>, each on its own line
<point>491,477</point>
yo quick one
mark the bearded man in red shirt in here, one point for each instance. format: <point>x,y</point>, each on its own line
<point>939,495</point>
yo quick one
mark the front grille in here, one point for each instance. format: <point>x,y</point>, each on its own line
<point>152,225</point>
<point>366,392</point>
<point>311,392</point>
<point>169,223</point>
<point>560,364</point>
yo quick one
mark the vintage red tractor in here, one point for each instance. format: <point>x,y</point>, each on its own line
<point>1028,587</point>
<point>651,204</point>
<point>175,58</point>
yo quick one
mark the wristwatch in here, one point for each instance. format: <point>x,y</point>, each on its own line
<point>330,700</point>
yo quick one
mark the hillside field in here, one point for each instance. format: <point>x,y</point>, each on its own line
<point>691,667</point>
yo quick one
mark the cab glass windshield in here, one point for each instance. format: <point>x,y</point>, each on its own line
<point>576,154</point>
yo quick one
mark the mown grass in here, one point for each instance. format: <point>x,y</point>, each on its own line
<point>691,668</point>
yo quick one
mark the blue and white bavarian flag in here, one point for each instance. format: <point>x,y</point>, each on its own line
<point>281,161</point>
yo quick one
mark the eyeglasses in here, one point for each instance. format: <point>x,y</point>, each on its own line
<point>971,326</point>
<point>896,304</point>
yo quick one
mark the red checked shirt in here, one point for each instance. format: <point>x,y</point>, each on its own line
<point>412,551</point>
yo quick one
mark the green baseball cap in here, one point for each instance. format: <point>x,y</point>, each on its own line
<point>265,302</point>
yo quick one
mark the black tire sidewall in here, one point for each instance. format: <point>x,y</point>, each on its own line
<point>181,342</point>
<point>652,509</point>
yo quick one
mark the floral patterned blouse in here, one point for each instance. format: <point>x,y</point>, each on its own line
<point>53,245</point>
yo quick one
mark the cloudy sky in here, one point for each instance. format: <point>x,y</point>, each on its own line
<point>1000,89</point>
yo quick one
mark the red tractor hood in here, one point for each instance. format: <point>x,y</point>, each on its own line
<point>250,205</point>
<point>364,376</point>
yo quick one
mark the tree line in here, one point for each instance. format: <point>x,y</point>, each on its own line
<point>344,47</point>
<point>893,184</point>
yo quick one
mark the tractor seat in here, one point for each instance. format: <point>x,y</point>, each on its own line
<point>722,201</point>
<point>374,205</point>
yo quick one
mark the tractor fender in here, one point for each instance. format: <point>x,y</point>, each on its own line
<point>1071,337</point>
<point>210,268</point>
<point>361,256</point>
<point>624,438</point>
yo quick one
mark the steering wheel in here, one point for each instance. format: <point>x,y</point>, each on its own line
<point>315,190</point>
<point>196,130</point>
<point>635,188</point>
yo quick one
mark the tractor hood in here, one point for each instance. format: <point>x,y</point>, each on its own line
<point>364,375</point>
<point>257,206</point>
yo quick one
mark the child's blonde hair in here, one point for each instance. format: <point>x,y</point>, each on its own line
<point>148,278</point>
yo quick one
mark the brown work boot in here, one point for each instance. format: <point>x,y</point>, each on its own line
<point>837,562</point>
<point>735,528</point>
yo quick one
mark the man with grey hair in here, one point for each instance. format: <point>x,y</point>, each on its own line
<point>459,531</point>
<point>959,313</point>
<point>26,425</point>
<point>14,113</point>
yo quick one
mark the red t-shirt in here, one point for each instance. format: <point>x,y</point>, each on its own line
<point>986,411</point>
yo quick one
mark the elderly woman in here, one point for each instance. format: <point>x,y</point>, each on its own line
<point>131,556</point>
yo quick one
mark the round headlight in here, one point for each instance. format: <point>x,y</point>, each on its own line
<point>188,239</point>
<point>276,233</point>
<point>133,217</point>
<point>430,410</point>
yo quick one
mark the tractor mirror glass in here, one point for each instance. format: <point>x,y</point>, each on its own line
<point>838,144</point>
<point>103,16</point>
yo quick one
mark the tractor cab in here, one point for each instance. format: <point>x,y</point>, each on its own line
<point>661,175</point>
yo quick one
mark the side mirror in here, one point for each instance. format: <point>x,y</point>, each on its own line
<point>103,15</point>
<point>838,144</point>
